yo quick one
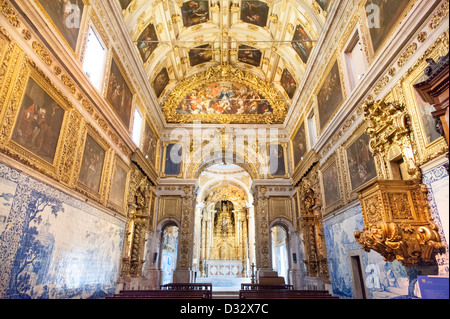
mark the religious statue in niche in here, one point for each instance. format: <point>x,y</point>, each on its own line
<point>224,235</point>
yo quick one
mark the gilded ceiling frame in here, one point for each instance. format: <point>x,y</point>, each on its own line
<point>220,74</point>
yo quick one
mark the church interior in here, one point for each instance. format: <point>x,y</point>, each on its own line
<point>147,145</point>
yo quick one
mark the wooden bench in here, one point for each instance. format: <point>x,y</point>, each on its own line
<point>170,291</point>
<point>187,286</point>
<point>163,294</point>
<point>266,287</point>
<point>285,294</point>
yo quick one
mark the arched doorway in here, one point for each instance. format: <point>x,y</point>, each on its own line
<point>169,250</point>
<point>280,251</point>
<point>224,233</point>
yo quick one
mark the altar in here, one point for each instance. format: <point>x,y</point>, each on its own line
<point>224,268</point>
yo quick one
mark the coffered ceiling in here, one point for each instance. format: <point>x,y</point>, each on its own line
<point>225,61</point>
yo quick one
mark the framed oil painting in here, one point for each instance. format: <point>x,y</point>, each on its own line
<point>302,43</point>
<point>195,12</point>
<point>173,158</point>
<point>118,186</point>
<point>119,94</point>
<point>160,82</point>
<point>330,96</point>
<point>201,54</point>
<point>324,4</point>
<point>361,164</point>
<point>330,180</point>
<point>250,55</point>
<point>299,146</point>
<point>389,13</point>
<point>288,83</point>
<point>91,170</point>
<point>125,3</point>
<point>39,122</point>
<point>150,144</point>
<point>424,111</point>
<point>277,160</point>
<point>145,44</point>
<point>67,16</point>
<point>254,12</point>
<point>230,98</point>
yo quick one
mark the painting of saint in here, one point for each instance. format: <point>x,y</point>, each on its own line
<point>331,185</point>
<point>360,162</point>
<point>39,122</point>
<point>149,144</point>
<point>249,55</point>
<point>200,55</point>
<point>299,145</point>
<point>302,43</point>
<point>324,4</point>
<point>160,82</point>
<point>254,12</point>
<point>173,158</point>
<point>92,164</point>
<point>330,96</point>
<point>224,98</point>
<point>119,94</point>
<point>277,165</point>
<point>118,186</point>
<point>388,13</point>
<point>66,15</point>
<point>124,3</point>
<point>145,46</point>
<point>195,12</point>
<point>288,83</point>
<point>425,109</point>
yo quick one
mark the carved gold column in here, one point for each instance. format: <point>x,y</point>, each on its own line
<point>311,225</point>
<point>397,217</point>
<point>139,217</point>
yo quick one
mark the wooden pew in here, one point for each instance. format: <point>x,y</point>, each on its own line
<point>285,294</point>
<point>163,294</point>
<point>170,291</point>
<point>266,287</point>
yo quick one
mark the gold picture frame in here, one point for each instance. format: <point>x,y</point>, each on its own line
<point>121,208</point>
<point>370,168</point>
<point>76,51</point>
<point>30,78</point>
<point>114,58</point>
<point>285,160</point>
<point>333,194</point>
<point>427,149</point>
<point>147,122</point>
<point>184,150</point>
<point>334,61</point>
<point>90,134</point>
<point>373,53</point>
<point>301,123</point>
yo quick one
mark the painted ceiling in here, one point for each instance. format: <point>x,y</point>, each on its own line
<point>225,61</point>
